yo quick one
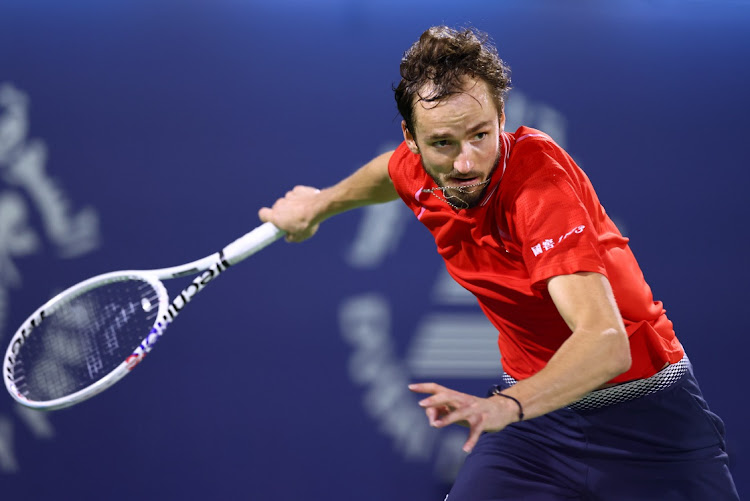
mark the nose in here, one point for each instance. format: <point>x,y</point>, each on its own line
<point>464,162</point>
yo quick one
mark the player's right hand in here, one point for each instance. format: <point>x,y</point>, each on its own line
<point>295,213</point>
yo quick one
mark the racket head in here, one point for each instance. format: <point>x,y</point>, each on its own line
<point>85,339</point>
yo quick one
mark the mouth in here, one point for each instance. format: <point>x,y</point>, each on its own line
<point>468,181</point>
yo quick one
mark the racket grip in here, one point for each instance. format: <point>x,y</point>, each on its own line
<point>252,242</point>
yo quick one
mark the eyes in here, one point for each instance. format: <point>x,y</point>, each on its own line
<point>441,144</point>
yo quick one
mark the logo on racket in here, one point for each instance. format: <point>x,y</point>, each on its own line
<point>25,331</point>
<point>146,345</point>
<point>174,308</point>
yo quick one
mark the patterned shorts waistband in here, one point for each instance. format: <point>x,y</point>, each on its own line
<point>626,391</point>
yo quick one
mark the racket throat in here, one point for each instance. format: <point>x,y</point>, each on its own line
<point>174,308</point>
<point>194,288</point>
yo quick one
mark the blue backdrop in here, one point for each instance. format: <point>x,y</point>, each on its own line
<point>143,134</point>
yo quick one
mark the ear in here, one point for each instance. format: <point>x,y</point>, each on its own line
<point>502,121</point>
<point>411,142</point>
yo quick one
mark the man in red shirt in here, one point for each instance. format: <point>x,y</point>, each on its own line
<point>598,400</point>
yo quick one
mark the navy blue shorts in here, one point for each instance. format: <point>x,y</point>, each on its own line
<point>663,446</point>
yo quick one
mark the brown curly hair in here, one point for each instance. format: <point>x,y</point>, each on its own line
<point>442,57</point>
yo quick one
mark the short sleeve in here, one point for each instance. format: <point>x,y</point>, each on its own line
<point>552,224</point>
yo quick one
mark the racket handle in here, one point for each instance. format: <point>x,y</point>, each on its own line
<point>252,242</point>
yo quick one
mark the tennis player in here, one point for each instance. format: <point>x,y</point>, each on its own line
<point>598,399</point>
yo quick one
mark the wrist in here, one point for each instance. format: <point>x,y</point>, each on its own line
<point>323,205</point>
<point>329,202</point>
<point>513,405</point>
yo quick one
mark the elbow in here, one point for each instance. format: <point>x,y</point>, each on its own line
<point>622,364</point>
<point>618,357</point>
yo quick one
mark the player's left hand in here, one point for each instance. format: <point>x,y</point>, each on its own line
<point>445,407</point>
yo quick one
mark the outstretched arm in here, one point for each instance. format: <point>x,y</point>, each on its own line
<point>302,210</point>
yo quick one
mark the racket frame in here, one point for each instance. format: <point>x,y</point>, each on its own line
<point>206,270</point>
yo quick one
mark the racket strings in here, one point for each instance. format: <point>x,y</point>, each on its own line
<point>85,338</point>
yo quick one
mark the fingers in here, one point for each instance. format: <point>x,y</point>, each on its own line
<point>445,407</point>
<point>443,397</point>
<point>426,388</point>
<point>474,433</point>
<point>293,213</point>
<point>264,214</point>
<point>432,415</point>
<point>459,413</point>
<point>440,417</point>
<point>436,414</point>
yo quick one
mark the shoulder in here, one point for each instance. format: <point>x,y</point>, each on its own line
<point>535,160</point>
<point>536,147</point>
<point>532,137</point>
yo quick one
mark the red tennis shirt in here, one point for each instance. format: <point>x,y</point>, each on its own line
<point>539,218</point>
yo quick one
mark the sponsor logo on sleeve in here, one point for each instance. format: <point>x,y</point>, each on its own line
<point>549,244</point>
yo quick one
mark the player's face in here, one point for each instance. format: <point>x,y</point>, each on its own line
<point>459,141</point>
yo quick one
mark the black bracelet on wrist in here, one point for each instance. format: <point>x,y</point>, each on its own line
<point>496,391</point>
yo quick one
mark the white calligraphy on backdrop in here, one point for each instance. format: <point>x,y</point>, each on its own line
<point>34,211</point>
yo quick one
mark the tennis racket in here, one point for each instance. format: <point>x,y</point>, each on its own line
<point>88,337</point>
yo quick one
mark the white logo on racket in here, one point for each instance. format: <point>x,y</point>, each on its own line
<point>179,302</point>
